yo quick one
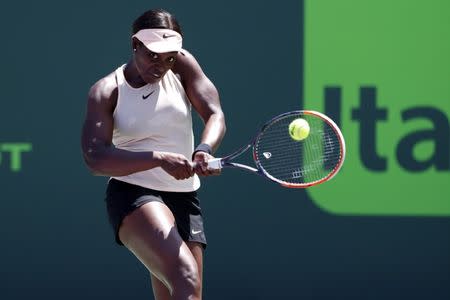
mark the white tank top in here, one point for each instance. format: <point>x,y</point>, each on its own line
<point>155,117</point>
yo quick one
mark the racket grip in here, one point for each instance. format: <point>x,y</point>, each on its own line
<point>215,164</point>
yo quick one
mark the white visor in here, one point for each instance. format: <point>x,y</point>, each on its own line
<point>160,40</point>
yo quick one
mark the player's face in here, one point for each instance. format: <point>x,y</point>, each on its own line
<point>153,66</point>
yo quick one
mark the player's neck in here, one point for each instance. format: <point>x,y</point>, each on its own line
<point>132,75</point>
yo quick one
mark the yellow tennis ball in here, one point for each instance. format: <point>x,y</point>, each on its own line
<point>299,129</point>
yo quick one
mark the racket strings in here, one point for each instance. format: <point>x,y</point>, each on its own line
<point>298,162</point>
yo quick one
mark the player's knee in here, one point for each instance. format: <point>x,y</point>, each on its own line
<point>186,281</point>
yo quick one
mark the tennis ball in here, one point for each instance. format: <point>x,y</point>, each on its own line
<point>299,129</point>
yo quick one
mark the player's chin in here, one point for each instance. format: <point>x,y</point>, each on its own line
<point>152,78</point>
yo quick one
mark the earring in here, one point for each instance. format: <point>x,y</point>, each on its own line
<point>134,49</point>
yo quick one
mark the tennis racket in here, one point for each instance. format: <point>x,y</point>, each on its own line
<point>291,163</point>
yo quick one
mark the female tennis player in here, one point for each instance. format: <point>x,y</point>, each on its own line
<point>138,131</point>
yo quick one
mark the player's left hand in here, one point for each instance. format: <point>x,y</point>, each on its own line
<point>200,163</point>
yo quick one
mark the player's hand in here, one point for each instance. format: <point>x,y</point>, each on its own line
<point>200,164</point>
<point>176,165</point>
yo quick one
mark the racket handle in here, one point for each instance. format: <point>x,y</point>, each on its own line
<point>215,164</point>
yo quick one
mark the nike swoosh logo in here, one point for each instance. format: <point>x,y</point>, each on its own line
<point>196,231</point>
<point>165,35</point>
<point>146,96</point>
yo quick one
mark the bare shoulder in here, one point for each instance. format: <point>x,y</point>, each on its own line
<point>187,66</point>
<point>99,124</point>
<point>185,57</point>
<point>104,92</point>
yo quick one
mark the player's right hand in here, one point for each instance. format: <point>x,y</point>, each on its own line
<point>176,165</point>
<point>200,163</point>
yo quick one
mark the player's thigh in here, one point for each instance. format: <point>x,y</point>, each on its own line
<point>151,234</point>
<point>197,252</point>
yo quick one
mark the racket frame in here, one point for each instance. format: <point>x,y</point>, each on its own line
<point>219,163</point>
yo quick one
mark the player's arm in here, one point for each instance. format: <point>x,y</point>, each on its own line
<point>99,153</point>
<point>204,98</point>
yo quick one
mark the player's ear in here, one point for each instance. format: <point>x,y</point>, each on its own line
<point>134,43</point>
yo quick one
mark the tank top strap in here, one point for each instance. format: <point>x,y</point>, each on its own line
<point>119,75</point>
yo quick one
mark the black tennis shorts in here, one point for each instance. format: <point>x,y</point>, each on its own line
<point>122,198</point>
